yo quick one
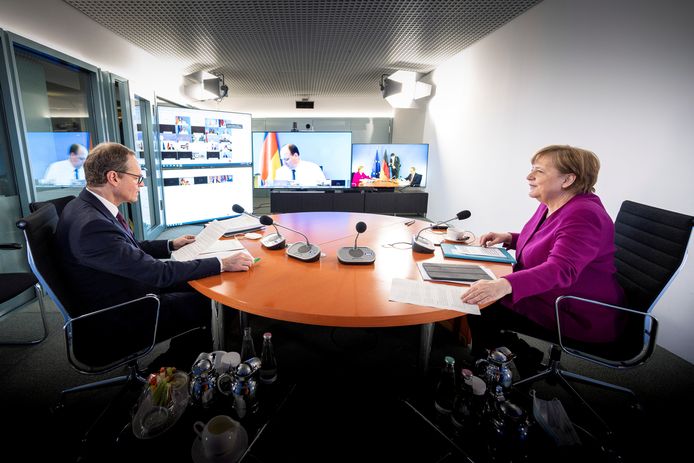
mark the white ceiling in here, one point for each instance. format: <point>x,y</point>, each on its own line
<point>303,48</point>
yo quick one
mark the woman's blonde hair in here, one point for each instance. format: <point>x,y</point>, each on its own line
<point>584,164</point>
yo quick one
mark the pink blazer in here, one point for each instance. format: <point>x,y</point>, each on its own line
<point>569,253</point>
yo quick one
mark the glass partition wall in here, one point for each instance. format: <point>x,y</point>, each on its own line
<point>58,112</point>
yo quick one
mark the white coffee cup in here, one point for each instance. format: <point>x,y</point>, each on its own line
<point>455,234</point>
<point>218,436</point>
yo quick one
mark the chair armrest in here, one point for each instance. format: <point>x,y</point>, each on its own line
<point>10,246</point>
<point>650,331</point>
<point>97,346</point>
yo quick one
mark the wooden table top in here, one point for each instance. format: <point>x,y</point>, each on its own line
<point>327,292</point>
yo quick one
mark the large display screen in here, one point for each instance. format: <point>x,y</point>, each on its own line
<point>395,164</point>
<point>314,159</point>
<point>51,161</point>
<point>196,137</point>
<point>196,195</point>
<point>207,164</point>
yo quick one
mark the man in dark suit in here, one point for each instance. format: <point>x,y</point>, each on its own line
<point>394,166</point>
<point>107,266</point>
<point>414,178</point>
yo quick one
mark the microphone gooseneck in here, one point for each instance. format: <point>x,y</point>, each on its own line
<point>304,252</point>
<point>356,255</point>
<point>426,246</point>
<point>267,221</point>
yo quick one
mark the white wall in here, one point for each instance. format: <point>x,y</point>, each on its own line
<point>615,77</point>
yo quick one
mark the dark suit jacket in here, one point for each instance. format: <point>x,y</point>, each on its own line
<point>416,180</point>
<point>105,265</point>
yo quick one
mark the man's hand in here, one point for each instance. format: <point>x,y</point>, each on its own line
<point>239,262</point>
<point>181,241</point>
<point>485,292</point>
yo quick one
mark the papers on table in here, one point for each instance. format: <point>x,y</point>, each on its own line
<point>240,224</point>
<point>491,254</point>
<point>431,295</point>
<point>208,244</point>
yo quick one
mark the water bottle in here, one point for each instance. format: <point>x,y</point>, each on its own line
<point>268,366</point>
<point>445,389</point>
<point>462,405</point>
<point>247,346</point>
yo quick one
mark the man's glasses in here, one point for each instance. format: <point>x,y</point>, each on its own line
<point>140,178</point>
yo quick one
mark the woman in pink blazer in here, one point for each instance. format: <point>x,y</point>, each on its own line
<point>566,248</point>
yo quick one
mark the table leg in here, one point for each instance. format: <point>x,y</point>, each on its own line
<point>218,341</point>
<point>243,320</point>
<point>426,335</point>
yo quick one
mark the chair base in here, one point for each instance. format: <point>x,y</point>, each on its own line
<point>555,371</point>
<point>42,309</point>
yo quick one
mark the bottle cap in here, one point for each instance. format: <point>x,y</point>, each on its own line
<point>449,360</point>
<point>267,335</point>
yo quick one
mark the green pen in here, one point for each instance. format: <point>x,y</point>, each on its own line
<point>255,261</point>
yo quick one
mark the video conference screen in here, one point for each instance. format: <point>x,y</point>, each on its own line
<point>376,163</point>
<point>51,163</point>
<point>197,195</point>
<point>196,137</point>
<point>323,159</point>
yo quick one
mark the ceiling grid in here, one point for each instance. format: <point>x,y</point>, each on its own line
<point>281,48</point>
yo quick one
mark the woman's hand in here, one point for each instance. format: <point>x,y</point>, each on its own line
<point>485,292</point>
<point>492,238</point>
<point>181,241</point>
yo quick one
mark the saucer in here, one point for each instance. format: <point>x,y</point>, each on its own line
<point>232,456</point>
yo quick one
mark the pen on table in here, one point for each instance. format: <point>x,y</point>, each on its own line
<point>256,260</point>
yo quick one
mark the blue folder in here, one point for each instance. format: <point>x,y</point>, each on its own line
<point>449,251</point>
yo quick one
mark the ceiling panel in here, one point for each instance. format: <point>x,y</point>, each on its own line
<point>302,48</point>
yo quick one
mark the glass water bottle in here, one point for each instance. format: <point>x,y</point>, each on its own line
<point>268,365</point>
<point>247,346</point>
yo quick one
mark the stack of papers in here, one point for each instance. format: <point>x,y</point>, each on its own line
<point>240,224</point>
<point>430,295</point>
<point>208,244</point>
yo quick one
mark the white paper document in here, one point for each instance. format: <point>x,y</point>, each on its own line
<point>241,223</point>
<point>479,251</point>
<point>208,244</point>
<point>431,295</point>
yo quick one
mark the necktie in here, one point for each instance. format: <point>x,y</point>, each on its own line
<point>123,223</point>
<point>77,177</point>
<point>293,174</point>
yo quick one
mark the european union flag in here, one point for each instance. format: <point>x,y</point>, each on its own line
<point>376,168</point>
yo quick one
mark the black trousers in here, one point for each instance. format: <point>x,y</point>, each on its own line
<point>488,329</point>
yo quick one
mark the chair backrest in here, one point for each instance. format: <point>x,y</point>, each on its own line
<point>651,249</point>
<point>39,231</point>
<point>59,204</point>
<point>91,347</point>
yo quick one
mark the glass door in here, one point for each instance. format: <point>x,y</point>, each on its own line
<point>146,149</point>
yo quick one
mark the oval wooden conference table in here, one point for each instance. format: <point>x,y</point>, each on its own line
<point>327,292</point>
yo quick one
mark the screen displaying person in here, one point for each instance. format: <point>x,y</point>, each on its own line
<point>394,166</point>
<point>414,178</point>
<point>298,171</point>
<point>68,171</point>
<point>358,176</point>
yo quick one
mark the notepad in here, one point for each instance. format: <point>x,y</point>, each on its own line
<point>492,254</point>
<point>454,273</point>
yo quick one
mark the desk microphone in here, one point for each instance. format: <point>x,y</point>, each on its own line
<point>307,252</point>
<point>273,241</point>
<point>356,255</point>
<point>421,244</point>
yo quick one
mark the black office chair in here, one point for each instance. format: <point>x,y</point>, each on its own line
<point>94,339</point>
<point>651,250</point>
<point>15,283</point>
<point>59,204</point>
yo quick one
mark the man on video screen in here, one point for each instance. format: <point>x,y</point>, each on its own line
<point>297,171</point>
